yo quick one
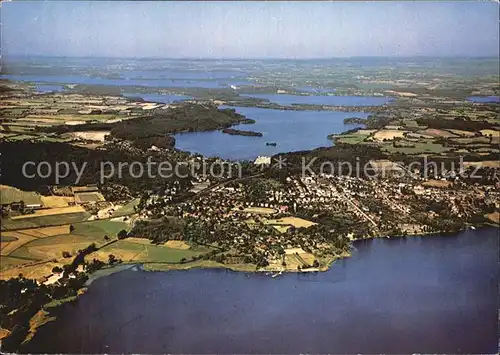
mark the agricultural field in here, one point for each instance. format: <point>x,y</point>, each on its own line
<point>99,228</point>
<point>51,212</point>
<point>142,251</point>
<point>92,135</point>
<point>259,210</point>
<point>389,134</point>
<point>52,205</point>
<point>32,251</point>
<point>471,140</point>
<point>17,241</point>
<point>32,270</point>
<point>366,132</point>
<point>12,241</point>
<point>84,197</point>
<point>57,201</point>
<point>416,148</point>
<point>494,217</point>
<point>282,225</point>
<point>8,262</point>
<point>178,244</point>
<point>47,243</point>
<point>437,183</point>
<point>126,209</point>
<point>353,138</point>
<point>461,133</point>
<point>25,113</point>
<point>436,133</point>
<point>293,258</point>
<point>44,221</point>
<point>484,163</point>
<point>490,132</point>
<point>10,194</point>
<point>411,124</point>
<point>291,221</point>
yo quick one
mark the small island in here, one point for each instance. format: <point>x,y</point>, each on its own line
<point>237,132</point>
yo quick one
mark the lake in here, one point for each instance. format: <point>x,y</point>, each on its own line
<point>288,100</point>
<point>484,99</point>
<point>432,294</point>
<point>291,130</point>
<point>46,88</point>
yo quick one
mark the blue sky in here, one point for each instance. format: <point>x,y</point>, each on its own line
<point>250,29</point>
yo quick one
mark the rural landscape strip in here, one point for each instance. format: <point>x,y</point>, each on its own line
<point>281,215</point>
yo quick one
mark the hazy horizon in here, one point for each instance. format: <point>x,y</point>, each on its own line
<point>259,58</point>
<point>250,30</point>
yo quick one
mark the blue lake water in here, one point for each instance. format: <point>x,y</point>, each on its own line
<point>484,99</point>
<point>164,98</point>
<point>291,130</point>
<point>46,88</point>
<point>287,100</point>
<point>432,294</point>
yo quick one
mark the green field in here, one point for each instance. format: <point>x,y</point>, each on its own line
<point>126,209</point>
<point>411,124</point>
<point>52,139</point>
<point>354,138</point>
<point>418,148</point>
<point>52,247</point>
<point>8,262</point>
<point>16,129</point>
<point>98,117</point>
<point>10,194</point>
<point>99,228</point>
<point>44,221</point>
<point>15,111</point>
<point>82,236</point>
<point>21,137</point>
<point>137,252</point>
<point>7,239</point>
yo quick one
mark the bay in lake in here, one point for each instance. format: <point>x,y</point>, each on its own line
<point>432,294</point>
<point>290,130</point>
<point>46,88</point>
<point>484,99</point>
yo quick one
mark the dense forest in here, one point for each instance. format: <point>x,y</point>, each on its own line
<point>457,123</point>
<point>15,154</point>
<point>238,132</point>
<point>183,118</point>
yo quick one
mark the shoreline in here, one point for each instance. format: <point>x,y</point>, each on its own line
<point>251,268</point>
<point>47,313</point>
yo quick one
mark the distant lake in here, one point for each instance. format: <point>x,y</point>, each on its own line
<point>484,99</point>
<point>164,98</point>
<point>288,100</point>
<point>432,294</point>
<point>154,80</point>
<point>291,130</point>
<point>45,88</point>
